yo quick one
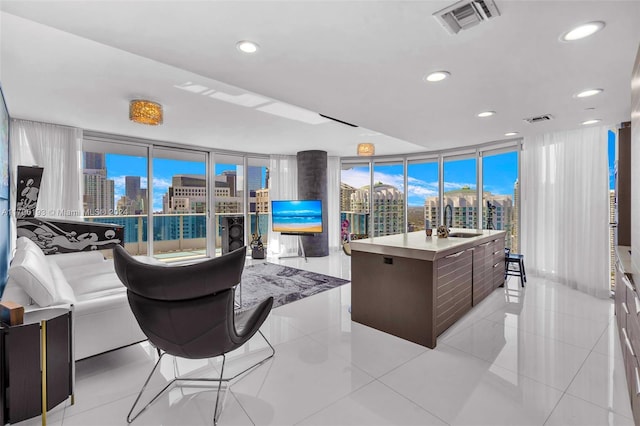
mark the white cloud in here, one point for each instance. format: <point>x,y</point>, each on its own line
<point>355,178</point>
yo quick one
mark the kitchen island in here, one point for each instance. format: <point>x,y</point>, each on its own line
<point>415,287</point>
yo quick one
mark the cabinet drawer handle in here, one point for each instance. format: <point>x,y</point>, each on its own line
<point>624,306</point>
<point>496,265</point>
<point>485,244</point>
<point>628,342</point>
<point>637,381</point>
<point>454,255</point>
<point>637,300</point>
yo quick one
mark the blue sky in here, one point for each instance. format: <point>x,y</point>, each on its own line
<point>500,173</point>
<point>119,166</point>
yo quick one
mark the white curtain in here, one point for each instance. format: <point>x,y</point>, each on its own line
<point>333,204</point>
<point>565,208</point>
<point>283,185</point>
<point>58,150</point>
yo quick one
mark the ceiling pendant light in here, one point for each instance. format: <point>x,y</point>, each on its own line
<point>145,112</point>
<point>366,149</point>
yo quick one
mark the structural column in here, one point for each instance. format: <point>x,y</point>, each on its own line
<point>312,185</point>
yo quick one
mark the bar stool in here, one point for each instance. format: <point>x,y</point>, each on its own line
<point>515,259</point>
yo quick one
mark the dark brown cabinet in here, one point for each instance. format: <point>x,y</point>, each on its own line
<point>418,294</point>
<point>36,364</point>
<point>488,268</point>
<point>453,288</point>
<point>627,305</point>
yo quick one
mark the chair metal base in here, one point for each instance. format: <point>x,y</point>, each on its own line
<point>177,380</point>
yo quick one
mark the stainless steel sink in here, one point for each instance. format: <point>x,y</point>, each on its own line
<point>463,235</point>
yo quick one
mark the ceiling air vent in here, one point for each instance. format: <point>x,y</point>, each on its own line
<point>466,14</point>
<point>539,118</point>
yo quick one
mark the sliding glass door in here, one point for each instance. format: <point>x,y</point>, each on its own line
<point>179,203</point>
<point>108,171</point>
<point>229,193</point>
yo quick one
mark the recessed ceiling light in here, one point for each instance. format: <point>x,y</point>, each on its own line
<point>586,123</point>
<point>582,31</point>
<point>437,76</point>
<point>486,114</point>
<point>588,92</point>
<point>246,46</point>
<point>511,133</point>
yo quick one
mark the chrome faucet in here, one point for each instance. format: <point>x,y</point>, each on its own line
<point>450,210</point>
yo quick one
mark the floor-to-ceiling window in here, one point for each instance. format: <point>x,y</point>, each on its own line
<point>229,193</point>
<point>423,209</point>
<point>460,192</point>
<point>355,184</point>
<point>115,190</point>
<point>500,191</point>
<point>179,203</point>
<point>258,187</point>
<point>613,210</point>
<point>388,198</point>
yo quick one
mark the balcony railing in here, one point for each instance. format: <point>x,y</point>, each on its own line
<point>175,236</point>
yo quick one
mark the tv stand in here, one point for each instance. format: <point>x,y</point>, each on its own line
<point>300,249</point>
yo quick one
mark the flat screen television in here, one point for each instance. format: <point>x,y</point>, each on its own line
<point>296,216</point>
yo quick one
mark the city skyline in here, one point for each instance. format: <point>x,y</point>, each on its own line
<point>499,181</point>
<point>501,172</point>
<point>120,166</point>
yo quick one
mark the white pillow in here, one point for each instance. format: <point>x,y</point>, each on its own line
<point>32,273</point>
<point>64,292</point>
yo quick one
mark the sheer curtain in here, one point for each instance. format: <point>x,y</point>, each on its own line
<point>58,150</point>
<point>283,185</point>
<point>333,204</point>
<point>565,208</point>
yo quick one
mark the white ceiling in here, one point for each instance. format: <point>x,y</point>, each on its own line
<point>79,63</point>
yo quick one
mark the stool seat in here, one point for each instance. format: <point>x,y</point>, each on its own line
<point>510,268</point>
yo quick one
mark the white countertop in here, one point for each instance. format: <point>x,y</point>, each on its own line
<point>417,245</point>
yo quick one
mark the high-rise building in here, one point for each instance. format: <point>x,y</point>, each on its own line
<point>612,237</point>
<point>464,210</point>
<point>231,178</point>
<point>132,187</point>
<point>188,194</point>
<point>262,200</point>
<point>98,197</point>
<point>94,160</point>
<point>345,196</point>
<point>388,210</point>
<point>254,178</point>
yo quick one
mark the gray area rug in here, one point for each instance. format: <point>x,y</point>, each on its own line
<point>285,284</point>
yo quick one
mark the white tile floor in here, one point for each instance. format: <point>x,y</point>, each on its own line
<point>545,355</point>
